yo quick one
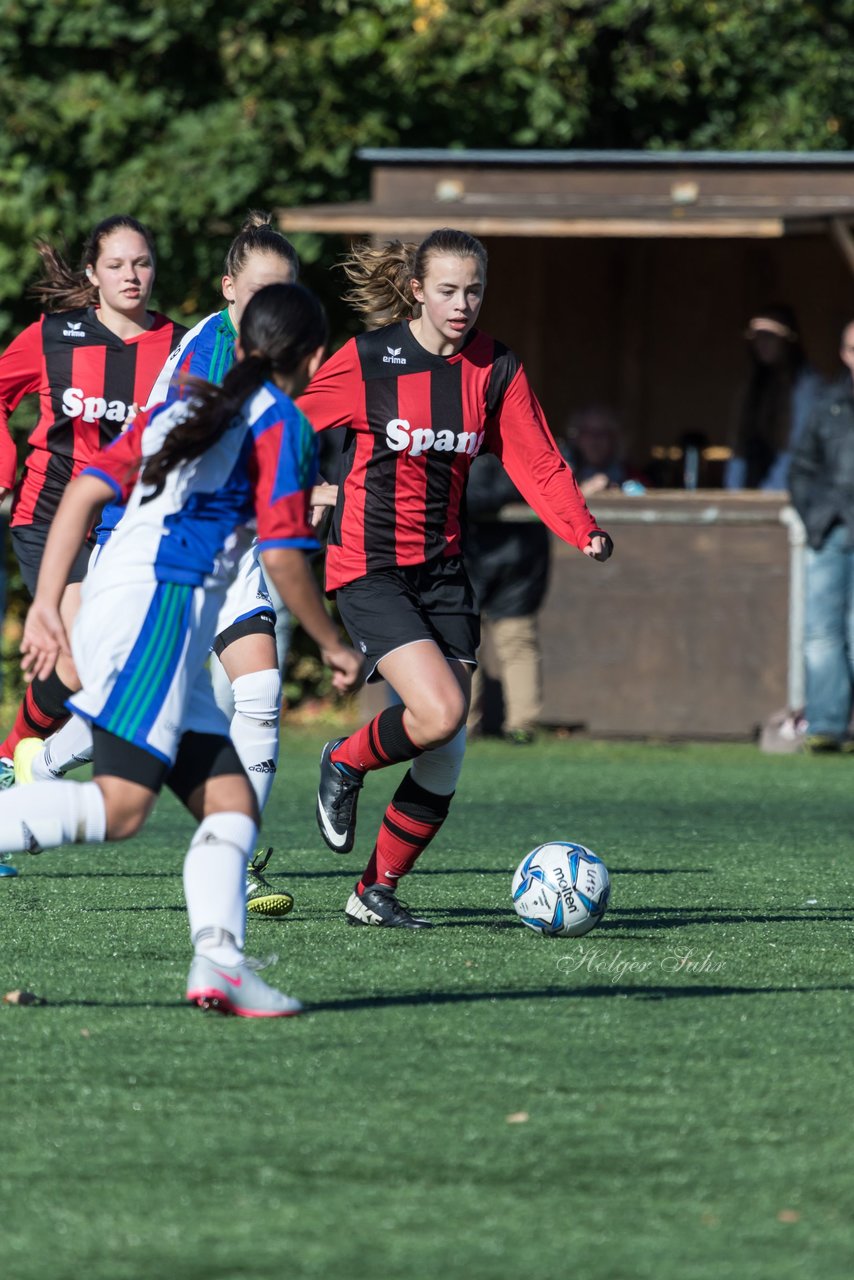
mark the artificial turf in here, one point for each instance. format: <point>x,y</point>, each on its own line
<point>669,1097</point>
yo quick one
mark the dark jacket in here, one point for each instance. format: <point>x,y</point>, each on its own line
<point>507,561</point>
<point>821,477</point>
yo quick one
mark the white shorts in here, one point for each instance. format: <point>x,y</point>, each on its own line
<point>247,593</point>
<point>141,652</point>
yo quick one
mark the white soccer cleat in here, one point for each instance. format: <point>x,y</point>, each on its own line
<point>236,989</point>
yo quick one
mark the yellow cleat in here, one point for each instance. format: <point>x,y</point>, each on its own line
<point>25,753</point>
<point>261,898</point>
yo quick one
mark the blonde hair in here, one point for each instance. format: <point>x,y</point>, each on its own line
<point>381,278</point>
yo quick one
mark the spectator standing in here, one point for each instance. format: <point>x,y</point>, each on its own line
<point>821,481</point>
<point>776,402</point>
<point>508,564</point>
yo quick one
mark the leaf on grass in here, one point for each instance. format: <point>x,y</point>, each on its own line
<point>517,1117</point>
<point>788,1215</point>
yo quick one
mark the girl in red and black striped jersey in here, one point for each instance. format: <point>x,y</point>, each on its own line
<point>92,358</point>
<point>420,397</point>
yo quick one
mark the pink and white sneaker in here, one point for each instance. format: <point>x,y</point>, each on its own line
<point>236,989</point>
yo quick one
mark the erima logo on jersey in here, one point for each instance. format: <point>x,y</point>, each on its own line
<point>74,330</point>
<point>394,356</point>
<point>92,408</point>
<point>401,436</point>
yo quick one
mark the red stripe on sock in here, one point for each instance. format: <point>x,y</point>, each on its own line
<point>361,751</point>
<point>400,843</point>
<point>29,723</point>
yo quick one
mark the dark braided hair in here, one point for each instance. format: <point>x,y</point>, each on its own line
<point>282,324</point>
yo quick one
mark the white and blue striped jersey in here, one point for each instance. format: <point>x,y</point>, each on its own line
<point>193,529</point>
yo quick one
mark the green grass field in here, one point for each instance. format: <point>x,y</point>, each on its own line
<point>668,1098</point>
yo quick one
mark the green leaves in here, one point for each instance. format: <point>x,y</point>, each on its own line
<point>186,115</point>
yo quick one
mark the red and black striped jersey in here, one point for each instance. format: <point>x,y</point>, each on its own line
<point>415,422</point>
<point>86,378</point>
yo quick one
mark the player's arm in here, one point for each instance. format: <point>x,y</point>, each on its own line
<point>44,635</point>
<point>20,375</point>
<point>335,390</point>
<point>520,437</point>
<point>283,471</point>
<point>118,462</point>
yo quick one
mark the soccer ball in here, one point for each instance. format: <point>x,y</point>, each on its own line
<point>561,889</point>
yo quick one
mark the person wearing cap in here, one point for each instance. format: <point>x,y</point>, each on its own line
<point>779,394</point>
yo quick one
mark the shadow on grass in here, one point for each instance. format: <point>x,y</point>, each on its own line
<point>348,1004</point>
<point>106,875</point>
<point>560,993</point>
<point>333,873</point>
<point>637,918</point>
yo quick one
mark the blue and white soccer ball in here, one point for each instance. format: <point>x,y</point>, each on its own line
<point>561,889</point>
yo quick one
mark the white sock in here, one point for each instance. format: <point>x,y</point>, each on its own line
<point>215,882</point>
<point>64,750</point>
<point>437,770</point>
<point>255,728</point>
<point>45,815</point>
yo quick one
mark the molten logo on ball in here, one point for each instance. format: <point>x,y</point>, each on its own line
<point>561,889</point>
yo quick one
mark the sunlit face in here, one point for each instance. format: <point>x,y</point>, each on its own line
<point>123,272</point>
<point>259,270</point>
<point>451,295</point>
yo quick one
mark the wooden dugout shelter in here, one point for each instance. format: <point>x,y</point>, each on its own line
<point>626,279</point>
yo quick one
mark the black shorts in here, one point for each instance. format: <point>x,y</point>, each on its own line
<point>390,608</point>
<point>28,544</point>
<point>201,756</point>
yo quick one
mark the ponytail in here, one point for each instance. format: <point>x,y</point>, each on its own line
<point>382,277</point>
<point>382,282</point>
<point>258,235</point>
<point>212,411</point>
<point>282,324</point>
<point>62,288</point>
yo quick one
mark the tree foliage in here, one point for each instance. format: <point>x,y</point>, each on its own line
<point>188,114</point>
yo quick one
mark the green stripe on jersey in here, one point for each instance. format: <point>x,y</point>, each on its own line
<point>157,657</point>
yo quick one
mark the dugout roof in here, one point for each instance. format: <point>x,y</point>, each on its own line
<point>597,194</point>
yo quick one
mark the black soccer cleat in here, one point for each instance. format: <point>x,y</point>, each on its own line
<point>377,905</point>
<point>337,797</point>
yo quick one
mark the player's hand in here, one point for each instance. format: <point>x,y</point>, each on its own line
<point>599,547</point>
<point>345,665</point>
<point>43,641</point>
<point>594,484</point>
<point>323,496</point>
